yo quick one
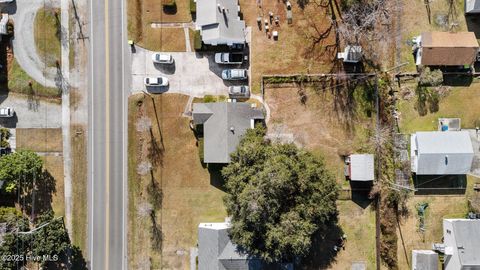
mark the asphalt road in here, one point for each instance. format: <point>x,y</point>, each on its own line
<point>107,135</point>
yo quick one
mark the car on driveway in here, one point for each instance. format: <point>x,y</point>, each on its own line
<point>156,81</point>
<point>162,58</point>
<point>239,91</point>
<point>7,112</point>
<point>229,58</point>
<point>234,74</point>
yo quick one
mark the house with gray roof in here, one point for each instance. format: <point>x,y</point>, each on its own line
<point>219,22</point>
<point>441,153</point>
<point>472,6</point>
<point>217,252</point>
<point>224,123</point>
<point>461,240</point>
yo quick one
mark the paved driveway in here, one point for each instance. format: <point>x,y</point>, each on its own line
<point>192,73</point>
<point>30,112</point>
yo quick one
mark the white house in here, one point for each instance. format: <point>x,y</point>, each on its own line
<point>219,22</point>
<point>472,6</point>
<point>461,239</point>
<point>441,153</point>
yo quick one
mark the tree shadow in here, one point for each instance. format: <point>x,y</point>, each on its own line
<point>155,151</point>
<point>322,253</point>
<point>37,198</point>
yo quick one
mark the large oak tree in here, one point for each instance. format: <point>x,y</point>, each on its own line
<point>278,197</point>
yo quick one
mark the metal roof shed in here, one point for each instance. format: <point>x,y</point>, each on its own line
<point>424,260</point>
<point>360,167</point>
<point>441,153</point>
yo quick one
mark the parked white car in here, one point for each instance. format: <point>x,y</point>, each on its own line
<point>239,91</point>
<point>234,74</point>
<point>156,81</point>
<point>162,58</point>
<point>7,112</point>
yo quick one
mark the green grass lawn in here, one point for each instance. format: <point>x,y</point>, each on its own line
<point>18,81</point>
<point>47,35</point>
<point>462,102</point>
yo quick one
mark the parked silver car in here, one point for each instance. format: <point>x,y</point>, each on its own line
<point>234,74</point>
<point>239,91</point>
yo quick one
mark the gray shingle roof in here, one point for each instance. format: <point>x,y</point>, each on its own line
<point>219,22</point>
<point>441,153</point>
<point>223,125</point>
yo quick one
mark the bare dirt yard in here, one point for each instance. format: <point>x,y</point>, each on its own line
<point>170,192</point>
<point>305,46</point>
<point>329,123</point>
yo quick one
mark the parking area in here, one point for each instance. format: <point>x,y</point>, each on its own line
<point>30,112</point>
<point>194,74</point>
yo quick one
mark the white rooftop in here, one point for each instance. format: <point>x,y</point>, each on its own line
<point>362,167</point>
<point>463,237</point>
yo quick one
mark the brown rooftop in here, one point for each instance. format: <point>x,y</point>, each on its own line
<point>448,49</point>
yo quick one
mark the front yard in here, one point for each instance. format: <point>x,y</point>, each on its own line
<point>170,192</point>
<point>47,35</point>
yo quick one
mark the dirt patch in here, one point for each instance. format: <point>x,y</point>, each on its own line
<point>167,203</point>
<point>323,124</point>
<point>305,46</point>
<point>40,139</point>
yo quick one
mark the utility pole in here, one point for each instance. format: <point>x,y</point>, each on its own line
<point>377,199</point>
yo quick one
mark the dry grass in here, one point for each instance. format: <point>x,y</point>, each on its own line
<point>142,13</point>
<point>292,52</point>
<point>453,105</point>
<point>40,139</point>
<point>79,185</point>
<point>359,226</point>
<point>319,125</point>
<point>163,39</point>
<point>439,207</point>
<point>54,165</point>
<point>188,196</point>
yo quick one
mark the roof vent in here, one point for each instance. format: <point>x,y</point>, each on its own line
<point>446,160</point>
<point>232,129</point>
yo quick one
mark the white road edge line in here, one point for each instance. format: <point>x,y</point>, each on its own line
<point>90,131</point>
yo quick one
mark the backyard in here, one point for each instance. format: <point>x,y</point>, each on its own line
<point>170,191</point>
<point>454,104</point>
<point>331,123</point>
<point>305,46</point>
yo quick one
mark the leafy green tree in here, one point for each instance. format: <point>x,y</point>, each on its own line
<point>21,166</point>
<point>278,197</point>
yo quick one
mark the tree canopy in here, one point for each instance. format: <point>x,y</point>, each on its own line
<point>278,197</point>
<point>19,166</point>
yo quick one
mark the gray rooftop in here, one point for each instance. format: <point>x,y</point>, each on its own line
<point>223,125</point>
<point>361,167</point>
<point>472,6</point>
<point>219,22</point>
<point>217,252</point>
<point>424,260</point>
<point>466,241</point>
<point>441,153</point>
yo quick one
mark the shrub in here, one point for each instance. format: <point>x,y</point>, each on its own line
<point>193,6</point>
<point>169,3</point>
<point>200,149</point>
<point>197,40</point>
<point>430,77</point>
<point>209,99</point>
